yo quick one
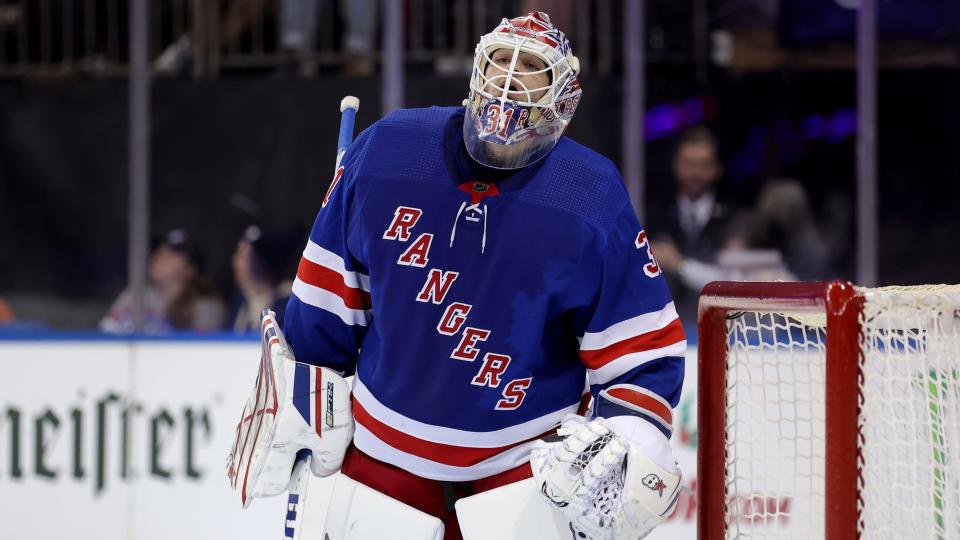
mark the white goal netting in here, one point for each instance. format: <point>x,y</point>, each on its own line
<point>775,435</point>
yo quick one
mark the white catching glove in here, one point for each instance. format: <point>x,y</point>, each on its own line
<point>603,481</point>
<point>292,407</point>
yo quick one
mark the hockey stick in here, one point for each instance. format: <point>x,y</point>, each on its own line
<point>349,106</point>
<point>300,477</point>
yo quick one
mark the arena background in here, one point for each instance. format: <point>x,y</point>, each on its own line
<point>243,130</point>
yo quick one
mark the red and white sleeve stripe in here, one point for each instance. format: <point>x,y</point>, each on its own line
<point>650,405</point>
<point>621,347</point>
<point>324,282</point>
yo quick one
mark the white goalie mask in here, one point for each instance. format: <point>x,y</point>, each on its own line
<point>508,123</point>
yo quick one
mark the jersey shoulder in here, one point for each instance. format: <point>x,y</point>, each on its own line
<point>407,144</point>
<point>579,181</point>
<point>420,118</point>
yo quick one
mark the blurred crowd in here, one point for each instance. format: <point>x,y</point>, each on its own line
<point>702,234</point>
<point>203,38</point>
<point>295,25</point>
<point>180,297</point>
<point>705,234</point>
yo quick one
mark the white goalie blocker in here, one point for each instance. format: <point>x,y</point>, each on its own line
<point>299,418</point>
<point>292,407</point>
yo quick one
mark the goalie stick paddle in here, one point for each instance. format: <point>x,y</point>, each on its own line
<point>296,499</point>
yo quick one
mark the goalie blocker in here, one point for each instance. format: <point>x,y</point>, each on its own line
<point>292,407</point>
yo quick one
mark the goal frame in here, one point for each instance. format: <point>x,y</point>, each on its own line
<point>842,305</point>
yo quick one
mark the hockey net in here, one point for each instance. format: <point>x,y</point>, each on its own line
<point>829,411</point>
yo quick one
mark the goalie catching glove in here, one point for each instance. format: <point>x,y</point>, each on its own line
<point>293,407</point>
<point>613,479</point>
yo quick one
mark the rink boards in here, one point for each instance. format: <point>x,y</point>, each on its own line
<point>128,440</point>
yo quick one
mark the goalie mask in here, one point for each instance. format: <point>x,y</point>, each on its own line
<point>524,90</point>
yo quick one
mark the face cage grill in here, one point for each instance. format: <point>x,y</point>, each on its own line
<point>560,72</point>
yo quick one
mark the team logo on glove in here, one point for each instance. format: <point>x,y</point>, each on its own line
<point>654,482</point>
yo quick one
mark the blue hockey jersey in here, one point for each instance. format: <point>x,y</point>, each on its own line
<point>475,314</point>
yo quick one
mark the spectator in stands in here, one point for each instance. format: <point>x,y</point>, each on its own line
<point>298,31</point>
<point>779,240</point>
<point>210,33</point>
<point>693,224</point>
<point>361,33</point>
<point>750,252</point>
<point>178,297</point>
<point>262,264</point>
<point>786,204</point>
<point>215,31</point>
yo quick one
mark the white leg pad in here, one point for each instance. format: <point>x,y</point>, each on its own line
<point>513,512</point>
<point>357,512</point>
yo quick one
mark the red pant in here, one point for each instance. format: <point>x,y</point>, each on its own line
<point>423,494</point>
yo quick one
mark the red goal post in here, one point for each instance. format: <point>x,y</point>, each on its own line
<point>828,410</point>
